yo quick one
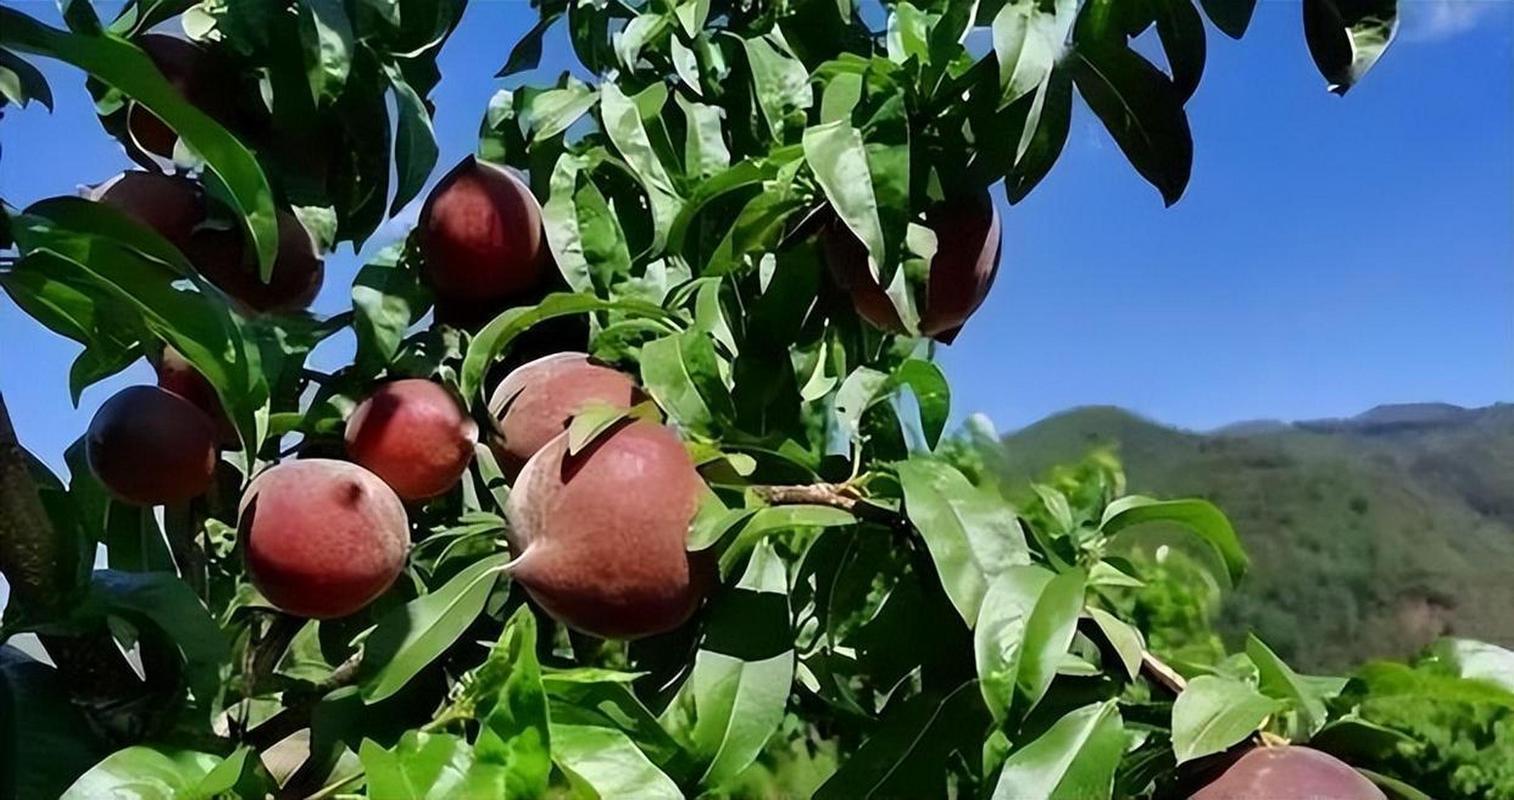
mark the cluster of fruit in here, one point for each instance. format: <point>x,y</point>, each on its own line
<point>324,537</point>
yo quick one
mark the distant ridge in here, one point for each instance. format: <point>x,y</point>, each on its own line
<point>1370,535</point>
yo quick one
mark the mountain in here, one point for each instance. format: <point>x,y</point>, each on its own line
<point>1370,536</point>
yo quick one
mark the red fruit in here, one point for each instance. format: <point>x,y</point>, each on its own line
<point>199,75</point>
<point>413,434</point>
<point>170,205</point>
<point>481,236</point>
<point>150,447</point>
<point>536,401</point>
<point>223,257</point>
<point>1266,772</point>
<point>323,538</point>
<point>967,258</point>
<point>600,536</point>
<point>177,375</point>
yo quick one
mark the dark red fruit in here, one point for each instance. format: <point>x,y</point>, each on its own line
<point>177,375</point>
<point>1266,772</point>
<point>536,401</point>
<point>600,535</point>
<point>963,270</point>
<point>223,256</point>
<point>481,236</point>
<point>151,447</point>
<point>412,434</point>
<point>200,76</point>
<point>170,205</point>
<point>323,538</point>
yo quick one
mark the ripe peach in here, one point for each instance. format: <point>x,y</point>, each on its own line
<point>481,236</point>
<point>412,434</point>
<point>323,537</point>
<point>170,205</point>
<point>600,536</point>
<point>223,257</point>
<point>177,375</point>
<point>200,76</point>
<point>536,401</point>
<point>151,447</point>
<point>963,270</point>
<point>1289,772</point>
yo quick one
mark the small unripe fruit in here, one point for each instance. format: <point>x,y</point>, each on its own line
<point>200,76</point>
<point>481,236</point>
<point>961,273</point>
<point>170,205</point>
<point>323,537</point>
<point>225,258</point>
<point>151,447</point>
<point>537,400</point>
<point>1265,772</point>
<point>413,435</point>
<point>600,535</point>
<point>177,375</point>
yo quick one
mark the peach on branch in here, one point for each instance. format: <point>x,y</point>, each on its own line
<point>149,447</point>
<point>223,257</point>
<point>177,375</point>
<point>201,76</point>
<point>961,273</point>
<point>481,236</point>
<point>600,535</point>
<point>413,434</point>
<point>537,400</point>
<point>323,537</point>
<point>170,205</point>
<point>1289,771</point>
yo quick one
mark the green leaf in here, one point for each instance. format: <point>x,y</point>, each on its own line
<point>1280,682</point>
<point>591,422</point>
<point>1142,110</point>
<point>859,392</point>
<point>387,298</point>
<point>423,766</point>
<point>606,763</point>
<point>932,395</point>
<point>836,154</point>
<point>1029,37</point>
<point>1347,37</point>
<point>513,751</point>
<point>754,527</point>
<point>1230,16</point>
<point>21,83</point>
<point>163,601</point>
<point>526,54</point>
<point>495,338</point>
<point>549,113</point>
<point>1214,713</point>
<point>1199,516</point>
<point>1045,133</point>
<point>781,85</point>
<point>682,372</point>
<point>133,541</point>
<point>972,535</point>
<point>1123,637</point>
<point>415,634</point>
<point>123,66</point>
<point>415,150</point>
<point>144,772</point>
<point>1182,32</point>
<point>326,33</point>
<point>704,150</point>
<point>739,686</point>
<point>41,730</point>
<point>1074,759</point>
<point>1023,630</point>
<point>907,755</point>
<point>623,123</point>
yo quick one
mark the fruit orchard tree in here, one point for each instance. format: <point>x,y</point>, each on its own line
<point>634,487</point>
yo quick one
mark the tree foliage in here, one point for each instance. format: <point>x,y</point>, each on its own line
<point>874,607</point>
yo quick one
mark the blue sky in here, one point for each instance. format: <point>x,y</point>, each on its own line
<point>1330,254</point>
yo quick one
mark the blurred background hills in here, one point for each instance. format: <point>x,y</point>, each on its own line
<point>1370,535</point>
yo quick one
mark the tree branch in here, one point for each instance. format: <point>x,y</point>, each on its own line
<point>29,555</point>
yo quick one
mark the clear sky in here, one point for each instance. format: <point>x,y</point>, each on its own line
<point>1330,254</point>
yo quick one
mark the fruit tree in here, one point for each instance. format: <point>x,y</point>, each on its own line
<point>634,486</point>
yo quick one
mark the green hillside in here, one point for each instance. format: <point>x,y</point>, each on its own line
<point>1370,536</point>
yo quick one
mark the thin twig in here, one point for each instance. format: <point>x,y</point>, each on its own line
<point>835,495</point>
<point>1158,670</point>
